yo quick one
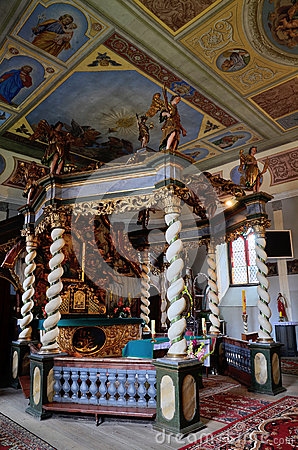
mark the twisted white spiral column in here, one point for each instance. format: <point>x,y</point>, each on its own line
<point>145,286</point>
<point>213,291</point>
<point>163,304</point>
<point>49,339</point>
<point>28,285</point>
<point>174,275</point>
<point>264,298</point>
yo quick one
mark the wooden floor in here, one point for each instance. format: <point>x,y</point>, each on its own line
<point>82,434</point>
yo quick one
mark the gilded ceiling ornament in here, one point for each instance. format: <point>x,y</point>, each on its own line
<point>219,35</point>
<point>255,75</point>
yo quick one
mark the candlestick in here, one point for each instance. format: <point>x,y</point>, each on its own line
<point>243,302</point>
<point>244,318</point>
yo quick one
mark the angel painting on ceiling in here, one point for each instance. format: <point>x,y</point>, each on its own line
<point>283,23</point>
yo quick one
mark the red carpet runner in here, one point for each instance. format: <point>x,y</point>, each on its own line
<point>272,428</point>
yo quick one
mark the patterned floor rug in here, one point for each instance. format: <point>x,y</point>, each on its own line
<point>289,366</point>
<point>15,437</point>
<point>215,385</point>
<point>227,407</point>
<point>272,428</point>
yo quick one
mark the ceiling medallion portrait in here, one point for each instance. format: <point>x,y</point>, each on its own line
<point>271,28</point>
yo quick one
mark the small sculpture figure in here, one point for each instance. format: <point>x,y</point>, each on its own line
<point>169,115</point>
<point>60,141</point>
<point>31,173</point>
<point>249,167</point>
<point>144,136</point>
<point>281,306</point>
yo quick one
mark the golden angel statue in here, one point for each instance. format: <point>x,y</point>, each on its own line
<point>172,127</point>
<point>60,141</point>
<point>249,168</point>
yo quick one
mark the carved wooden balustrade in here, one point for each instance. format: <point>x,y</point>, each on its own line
<point>237,359</point>
<point>115,386</point>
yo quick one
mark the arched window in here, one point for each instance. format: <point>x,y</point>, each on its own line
<point>243,259</point>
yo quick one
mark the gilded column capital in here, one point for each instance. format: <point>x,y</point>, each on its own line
<point>259,230</point>
<point>57,216</point>
<point>170,198</point>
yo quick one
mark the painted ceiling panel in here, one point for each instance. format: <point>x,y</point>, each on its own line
<point>88,64</point>
<point>222,45</point>
<point>175,15</point>
<point>59,29</point>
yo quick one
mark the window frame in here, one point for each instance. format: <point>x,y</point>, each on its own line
<point>246,260</point>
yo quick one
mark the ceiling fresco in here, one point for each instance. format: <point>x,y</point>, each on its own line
<point>98,65</point>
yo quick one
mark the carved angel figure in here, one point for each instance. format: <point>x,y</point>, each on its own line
<point>170,118</point>
<point>60,141</point>
<point>31,173</point>
<point>250,170</point>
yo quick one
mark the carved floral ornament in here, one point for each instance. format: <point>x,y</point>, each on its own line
<point>259,226</point>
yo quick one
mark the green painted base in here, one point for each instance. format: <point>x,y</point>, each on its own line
<point>20,352</point>
<point>38,415</point>
<point>182,432</point>
<point>266,376</point>
<point>273,391</point>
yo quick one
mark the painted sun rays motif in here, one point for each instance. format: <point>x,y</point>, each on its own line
<point>104,105</point>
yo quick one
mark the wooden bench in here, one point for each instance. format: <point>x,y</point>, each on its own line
<point>99,411</point>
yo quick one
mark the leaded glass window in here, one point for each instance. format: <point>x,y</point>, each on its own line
<point>243,259</point>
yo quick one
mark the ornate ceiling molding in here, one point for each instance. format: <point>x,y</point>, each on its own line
<point>252,25</point>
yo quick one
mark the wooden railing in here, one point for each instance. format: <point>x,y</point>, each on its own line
<point>237,359</point>
<point>104,386</point>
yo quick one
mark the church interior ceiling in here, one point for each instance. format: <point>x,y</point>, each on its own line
<point>97,64</point>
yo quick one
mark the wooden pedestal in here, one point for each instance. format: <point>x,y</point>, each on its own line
<point>177,385</point>
<point>19,365</point>
<point>41,384</point>
<point>265,368</point>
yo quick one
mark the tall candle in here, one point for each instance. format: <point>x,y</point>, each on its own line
<point>243,302</point>
<point>83,261</point>
<point>152,327</point>
<point>204,325</point>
